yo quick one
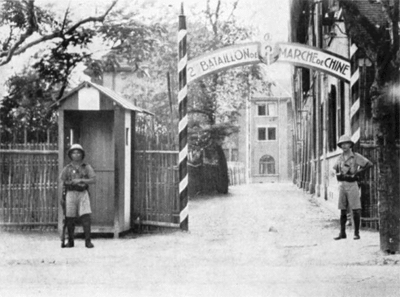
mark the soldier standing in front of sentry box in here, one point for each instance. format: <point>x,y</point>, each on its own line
<point>348,167</point>
<point>76,177</point>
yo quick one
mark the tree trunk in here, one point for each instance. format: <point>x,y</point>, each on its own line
<point>389,183</point>
<point>388,166</point>
<point>223,178</point>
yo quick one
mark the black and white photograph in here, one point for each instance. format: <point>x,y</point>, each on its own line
<point>199,148</point>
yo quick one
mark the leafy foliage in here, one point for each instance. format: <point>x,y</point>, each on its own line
<point>67,45</point>
<point>27,105</point>
<point>374,40</point>
<point>216,100</point>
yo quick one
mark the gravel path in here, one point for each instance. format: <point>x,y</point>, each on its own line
<point>259,240</point>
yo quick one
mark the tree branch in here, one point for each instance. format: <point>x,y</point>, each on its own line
<point>201,111</point>
<point>65,19</point>
<point>15,50</point>
<point>92,19</point>
<point>12,52</point>
<point>6,43</point>
<point>217,10</point>
<point>234,5</point>
<point>32,27</point>
<point>395,24</point>
<point>210,15</point>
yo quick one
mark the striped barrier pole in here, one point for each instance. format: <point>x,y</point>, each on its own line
<point>183,123</point>
<point>355,95</point>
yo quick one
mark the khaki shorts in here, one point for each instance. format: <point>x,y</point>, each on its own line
<point>349,195</point>
<point>77,203</point>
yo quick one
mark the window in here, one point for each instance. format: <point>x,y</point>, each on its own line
<point>305,79</point>
<point>268,109</point>
<point>266,133</point>
<point>332,119</point>
<point>267,165</point>
<point>262,135</point>
<point>272,133</point>
<point>261,110</point>
<point>340,113</point>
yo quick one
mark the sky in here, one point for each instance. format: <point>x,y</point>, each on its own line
<point>267,18</point>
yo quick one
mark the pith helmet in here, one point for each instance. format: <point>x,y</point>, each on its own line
<point>76,147</point>
<point>344,139</point>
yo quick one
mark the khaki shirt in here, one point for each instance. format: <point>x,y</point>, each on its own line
<point>350,165</point>
<point>83,171</point>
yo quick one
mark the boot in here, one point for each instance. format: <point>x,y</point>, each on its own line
<point>71,231</point>
<point>343,220</point>
<point>357,221</point>
<point>349,218</point>
<point>86,230</point>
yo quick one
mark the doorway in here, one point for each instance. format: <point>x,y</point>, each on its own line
<point>94,131</point>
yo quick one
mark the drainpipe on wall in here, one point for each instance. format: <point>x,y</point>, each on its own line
<point>325,168</point>
<point>317,136</point>
<point>248,139</point>
<point>114,74</point>
<point>278,136</point>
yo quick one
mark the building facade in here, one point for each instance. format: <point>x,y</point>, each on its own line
<point>264,140</point>
<point>327,107</point>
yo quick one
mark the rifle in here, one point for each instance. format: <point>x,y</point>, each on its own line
<point>64,227</point>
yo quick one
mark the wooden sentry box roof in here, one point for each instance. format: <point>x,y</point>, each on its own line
<point>91,96</point>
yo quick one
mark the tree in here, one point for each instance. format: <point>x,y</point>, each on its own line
<point>149,52</point>
<point>27,106</point>
<point>67,45</point>
<point>215,101</point>
<point>381,46</point>
<point>24,18</point>
<point>43,81</point>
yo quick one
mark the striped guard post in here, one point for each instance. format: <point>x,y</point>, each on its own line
<point>183,123</point>
<point>355,95</point>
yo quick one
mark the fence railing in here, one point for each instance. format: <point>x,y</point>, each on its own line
<point>369,189</point>
<point>28,185</point>
<point>237,173</point>
<point>156,188</point>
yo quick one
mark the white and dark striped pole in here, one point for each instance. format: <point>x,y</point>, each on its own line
<point>355,95</point>
<point>183,123</point>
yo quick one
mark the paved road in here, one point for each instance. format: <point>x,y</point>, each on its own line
<point>259,240</point>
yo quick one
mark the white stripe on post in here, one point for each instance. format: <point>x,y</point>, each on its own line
<point>356,136</point>
<point>183,154</point>
<point>353,49</point>
<point>184,214</point>
<point>354,108</point>
<point>355,77</point>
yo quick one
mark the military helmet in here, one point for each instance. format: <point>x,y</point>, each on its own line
<point>344,139</point>
<point>76,147</point>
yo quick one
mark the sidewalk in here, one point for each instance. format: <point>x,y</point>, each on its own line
<point>258,240</point>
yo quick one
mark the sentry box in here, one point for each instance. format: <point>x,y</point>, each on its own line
<point>103,122</point>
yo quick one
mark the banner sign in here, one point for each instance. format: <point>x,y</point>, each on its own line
<point>310,57</point>
<point>228,57</point>
<point>252,53</point>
